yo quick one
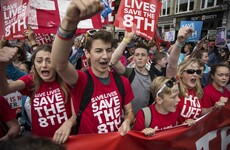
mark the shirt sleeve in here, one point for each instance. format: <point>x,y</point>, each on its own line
<point>6,113</point>
<point>14,73</point>
<point>207,100</point>
<point>28,80</point>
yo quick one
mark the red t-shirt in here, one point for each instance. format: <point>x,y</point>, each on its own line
<point>211,95</point>
<point>163,121</point>
<point>6,113</point>
<point>48,107</point>
<point>190,107</point>
<point>104,111</point>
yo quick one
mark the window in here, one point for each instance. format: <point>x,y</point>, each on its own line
<point>165,10</point>
<point>210,3</point>
<point>184,6</point>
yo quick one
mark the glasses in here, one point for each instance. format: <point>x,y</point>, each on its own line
<point>91,32</point>
<point>192,71</point>
<point>169,84</point>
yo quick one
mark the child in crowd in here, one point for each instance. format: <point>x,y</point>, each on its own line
<point>215,93</point>
<point>159,62</point>
<point>164,112</point>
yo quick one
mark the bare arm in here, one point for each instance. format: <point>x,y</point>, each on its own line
<point>117,65</point>
<point>182,35</point>
<point>6,56</point>
<point>62,134</point>
<point>76,11</point>
<point>13,130</point>
<point>129,119</point>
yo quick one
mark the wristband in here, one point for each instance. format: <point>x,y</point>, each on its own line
<point>180,45</point>
<point>67,30</point>
<point>65,36</point>
<point>126,40</point>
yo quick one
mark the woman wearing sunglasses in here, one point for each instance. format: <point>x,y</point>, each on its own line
<point>191,92</point>
<point>215,93</point>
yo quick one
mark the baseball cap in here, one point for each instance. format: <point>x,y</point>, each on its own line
<point>131,44</point>
<point>211,44</point>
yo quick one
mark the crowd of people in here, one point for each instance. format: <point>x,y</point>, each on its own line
<point>99,84</point>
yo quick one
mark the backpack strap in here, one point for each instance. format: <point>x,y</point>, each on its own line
<point>87,95</point>
<point>131,76</point>
<point>152,75</point>
<point>120,86</point>
<point>147,116</point>
<point>85,99</point>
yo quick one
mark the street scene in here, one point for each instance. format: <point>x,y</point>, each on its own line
<point>114,74</point>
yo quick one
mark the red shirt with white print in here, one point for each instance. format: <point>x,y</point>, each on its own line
<point>48,107</point>
<point>190,106</point>
<point>104,111</point>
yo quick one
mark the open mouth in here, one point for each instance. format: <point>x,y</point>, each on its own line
<point>193,81</point>
<point>45,73</point>
<point>104,64</point>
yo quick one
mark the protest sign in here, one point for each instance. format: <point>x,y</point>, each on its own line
<point>13,17</point>
<point>139,16</point>
<point>43,16</point>
<point>44,38</point>
<point>196,26</point>
<point>220,36</point>
<point>170,36</point>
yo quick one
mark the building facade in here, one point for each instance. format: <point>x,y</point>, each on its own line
<point>213,13</point>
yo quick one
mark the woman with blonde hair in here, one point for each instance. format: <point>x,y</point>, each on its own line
<point>191,91</point>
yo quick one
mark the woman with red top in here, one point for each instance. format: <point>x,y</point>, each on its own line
<point>215,93</point>
<point>191,92</point>
<point>50,100</point>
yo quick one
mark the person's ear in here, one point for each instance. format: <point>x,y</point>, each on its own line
<point>87,54</point>
<point>159,100</point>
<point>212,76</point>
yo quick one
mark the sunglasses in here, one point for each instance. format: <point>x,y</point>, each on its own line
<point>192,71</point>
<point>170,83</point>
<point>91,32</point>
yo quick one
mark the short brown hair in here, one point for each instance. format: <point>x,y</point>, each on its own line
<point>103,35</point>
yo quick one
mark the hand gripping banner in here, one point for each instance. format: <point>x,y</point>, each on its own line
<point>212,132</point>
